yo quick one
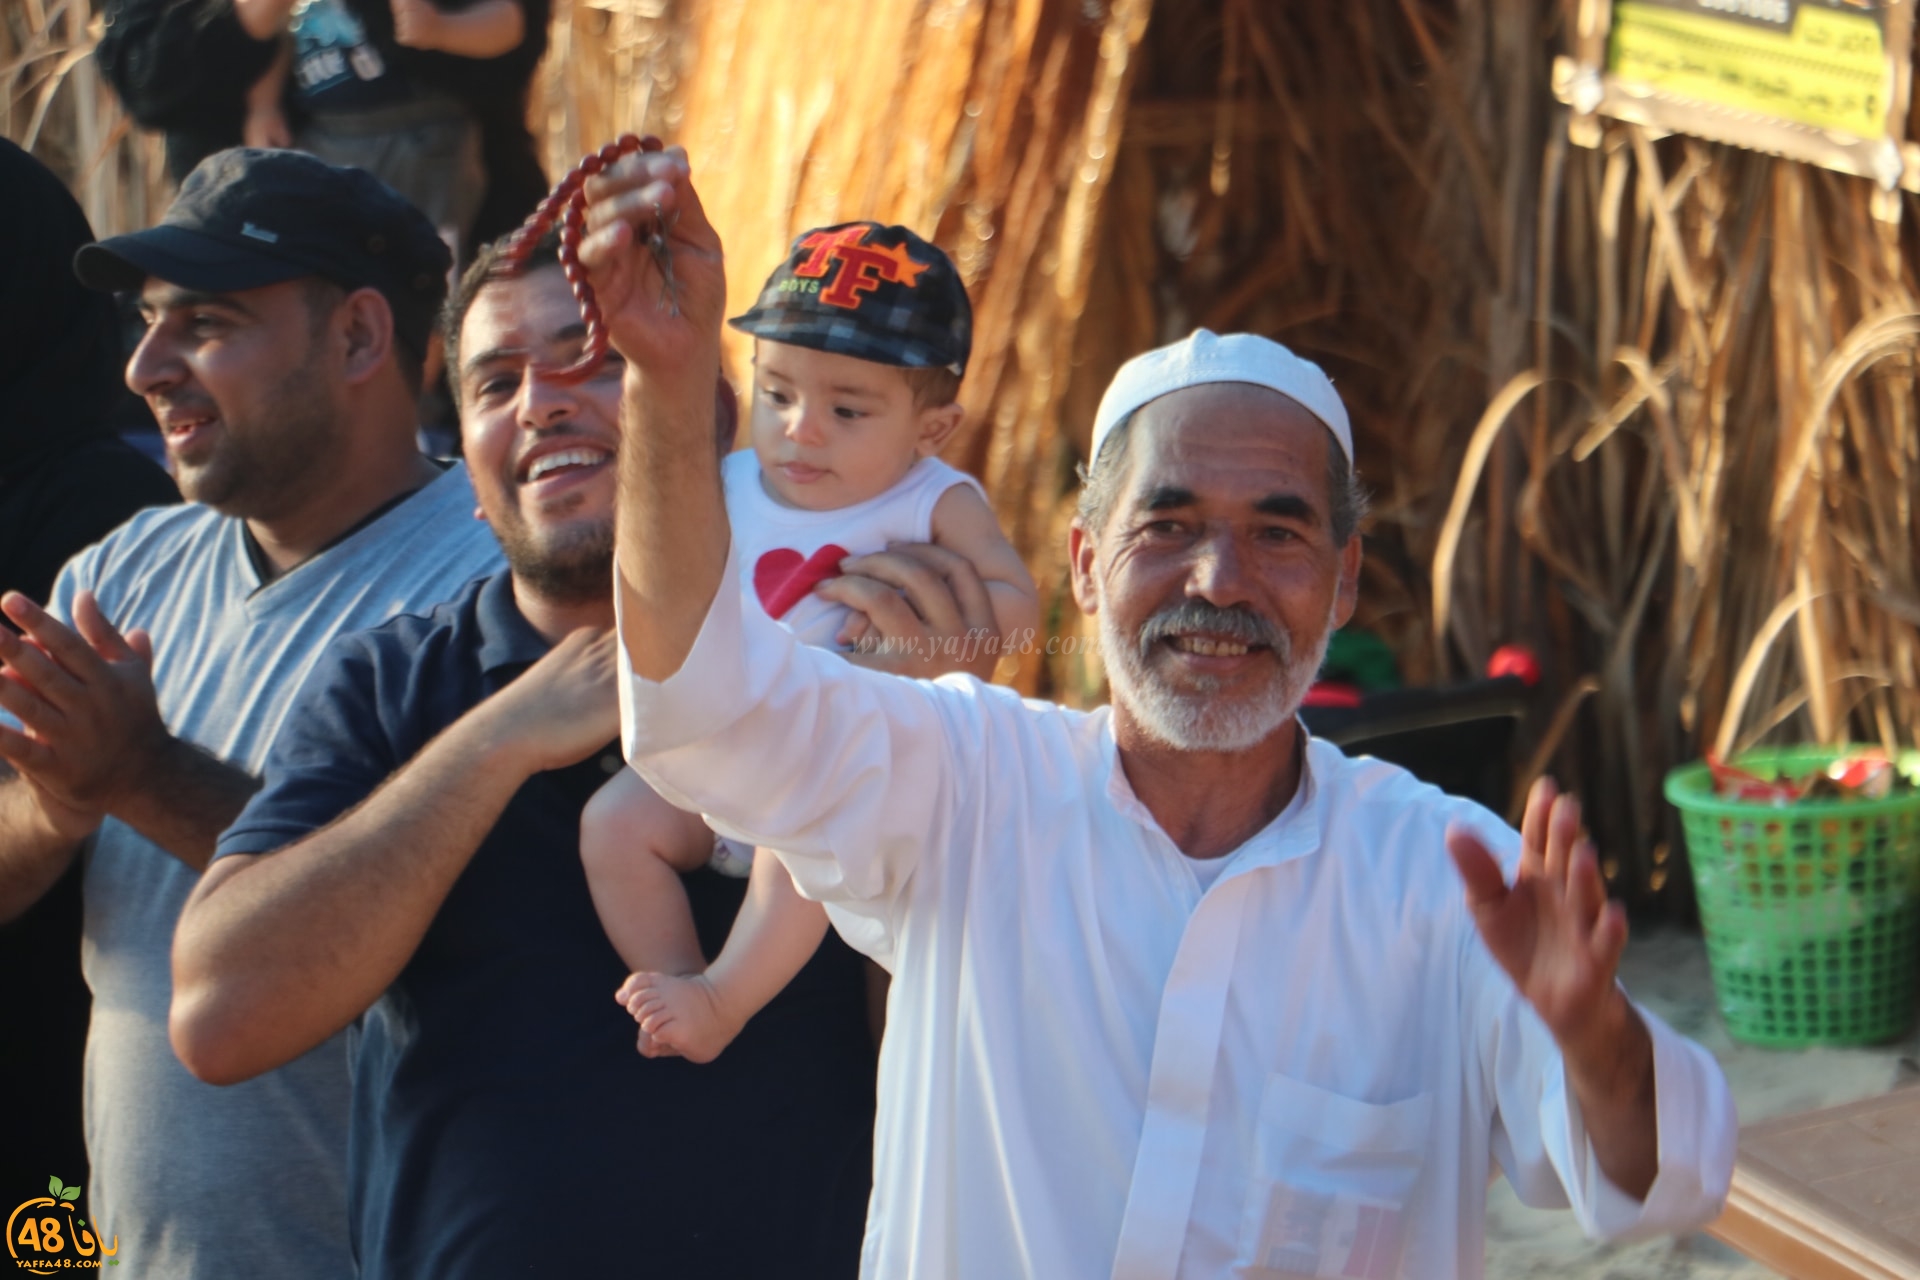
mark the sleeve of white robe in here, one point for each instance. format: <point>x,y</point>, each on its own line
<point>845,772</point>
<point>1540,1137</point>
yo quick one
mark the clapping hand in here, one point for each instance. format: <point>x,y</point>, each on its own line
<point>90,723</point>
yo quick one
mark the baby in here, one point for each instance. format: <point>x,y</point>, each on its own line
<point>861,337</point>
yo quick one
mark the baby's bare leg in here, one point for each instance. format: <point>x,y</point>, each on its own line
<point>775,934</point>
<point>634,846</point>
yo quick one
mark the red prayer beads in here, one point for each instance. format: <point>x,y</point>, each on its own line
<point>566,205</point>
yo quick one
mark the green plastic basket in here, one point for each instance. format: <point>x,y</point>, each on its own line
<point>1811,910</point>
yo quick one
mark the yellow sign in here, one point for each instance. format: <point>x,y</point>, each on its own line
<point>44,1236</point>
<point>1824,81</point>
<point>1802,62</point>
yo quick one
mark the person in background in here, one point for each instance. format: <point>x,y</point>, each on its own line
<point>288,306</point>
<point>429,96</point>
<point>186,68</point>
<point>410,866</point>
<point>66,479</point>
<point>496,91</point>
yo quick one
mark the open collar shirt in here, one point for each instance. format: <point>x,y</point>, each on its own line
<point>496,1062</point>
<point>1094,1068</point>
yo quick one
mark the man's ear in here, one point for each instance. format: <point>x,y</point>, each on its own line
<point>366,322</point>
<point>1347,598</point>
<point>1080,563</point>
<point>937,427</point>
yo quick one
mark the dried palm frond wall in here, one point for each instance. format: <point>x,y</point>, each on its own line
<point>990,125</point>
<point>54,103</point>
<point>1647,408</point>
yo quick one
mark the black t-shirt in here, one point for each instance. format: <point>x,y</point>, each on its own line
<point>345,58</point>
<point>65,500</point>
<point>183,66</point>
<point>502,1122</point>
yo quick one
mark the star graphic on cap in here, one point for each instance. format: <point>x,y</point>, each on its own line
<point>909,268</point>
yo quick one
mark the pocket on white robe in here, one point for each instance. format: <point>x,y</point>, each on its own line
<point>1333,1179</point>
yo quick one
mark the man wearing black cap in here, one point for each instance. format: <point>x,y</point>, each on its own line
<point>289,305</point>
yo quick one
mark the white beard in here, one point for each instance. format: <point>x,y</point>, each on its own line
<point>1197,718</point>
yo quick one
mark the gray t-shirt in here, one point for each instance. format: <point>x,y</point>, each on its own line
<point>201,1182</point>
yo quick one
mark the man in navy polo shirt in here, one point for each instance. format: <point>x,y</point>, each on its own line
<point>412,863</point>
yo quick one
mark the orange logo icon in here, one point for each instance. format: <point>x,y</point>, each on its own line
<point>43,1234</point>
<point>863,269</point>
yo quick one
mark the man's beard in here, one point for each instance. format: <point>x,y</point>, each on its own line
<point>573,565</point>
<point>259,471</point>
<point>1199,716</point>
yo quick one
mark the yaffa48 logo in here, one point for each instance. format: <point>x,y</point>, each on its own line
<point>44,1235</point>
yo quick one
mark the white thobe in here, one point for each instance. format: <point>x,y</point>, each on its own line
<point>1093,1068</point>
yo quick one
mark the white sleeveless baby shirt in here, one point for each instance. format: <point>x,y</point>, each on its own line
<point>785,552</point>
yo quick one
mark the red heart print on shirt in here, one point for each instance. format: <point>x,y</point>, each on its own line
<point>782,579</point>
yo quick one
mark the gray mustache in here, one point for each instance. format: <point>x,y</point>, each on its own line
<point>1237,624</point>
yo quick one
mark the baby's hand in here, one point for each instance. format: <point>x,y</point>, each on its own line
<point>416,24</point>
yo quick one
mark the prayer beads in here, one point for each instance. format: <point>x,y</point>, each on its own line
<point>565,205</point>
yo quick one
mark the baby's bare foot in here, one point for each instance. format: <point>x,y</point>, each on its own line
<point>631,997</point>
<point>651,1048</point>
<point>684,1016</point>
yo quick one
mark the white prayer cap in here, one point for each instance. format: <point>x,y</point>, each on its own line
<point>1206,357</point>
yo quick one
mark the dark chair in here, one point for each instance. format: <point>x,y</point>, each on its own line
<point>1458,738</point>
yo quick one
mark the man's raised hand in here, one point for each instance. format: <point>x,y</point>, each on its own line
<point>1552,929</point>
<point>91,726</point>
<point>1559,939</point>
<point>653,259</point>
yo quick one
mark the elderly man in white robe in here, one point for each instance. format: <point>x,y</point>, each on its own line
<point>1178,990</point>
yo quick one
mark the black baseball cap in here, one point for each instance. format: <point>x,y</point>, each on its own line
<point>246,218</point>
<point>868,291</point>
